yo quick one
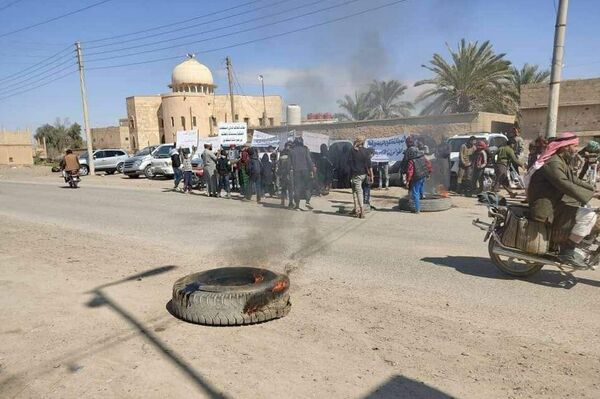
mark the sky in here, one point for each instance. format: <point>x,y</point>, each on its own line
<point>313,67</point>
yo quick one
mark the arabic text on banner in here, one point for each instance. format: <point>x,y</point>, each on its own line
<point>261,139</point>
<point>187,138</point>
<point>233,133</point>
<point>387,149</point>
<point>314,140</point>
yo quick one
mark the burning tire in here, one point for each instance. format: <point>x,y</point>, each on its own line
<point>431,203</point>
<point>231,296</point>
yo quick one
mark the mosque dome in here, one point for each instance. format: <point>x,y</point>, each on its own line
<point>191,72</point>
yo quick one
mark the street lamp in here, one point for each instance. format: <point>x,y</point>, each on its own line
<point>264,116</point>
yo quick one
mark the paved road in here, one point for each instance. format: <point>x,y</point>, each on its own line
<point>411,298</point>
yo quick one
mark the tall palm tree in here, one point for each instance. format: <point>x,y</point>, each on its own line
<point>384,100</point>
<point>357,108</point>
<point>526,75</point>
<point>476,79</point>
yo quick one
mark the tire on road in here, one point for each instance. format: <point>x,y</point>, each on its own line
<point>431,203</point>
<point>84,170</point>
<point>148,172</point>
<point>231,296</point>
<point>120,167</point>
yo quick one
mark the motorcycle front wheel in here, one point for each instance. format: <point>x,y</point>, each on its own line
<point>512,266</point>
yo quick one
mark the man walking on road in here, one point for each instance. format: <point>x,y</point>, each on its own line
<point>302,171</point>
<point>209,160</point>
<point>176,163</point>
<point>360,166</point>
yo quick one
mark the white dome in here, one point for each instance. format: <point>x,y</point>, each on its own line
<point>191,72</point>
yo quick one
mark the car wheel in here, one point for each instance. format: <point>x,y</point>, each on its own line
<point>148,172</point>
<point>109,172</point>
<point>133,176</point>
<point>120,168</point>
<point>84,170</point>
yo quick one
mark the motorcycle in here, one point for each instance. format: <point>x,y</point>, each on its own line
<point>525,259</point>
<point>72,178</point>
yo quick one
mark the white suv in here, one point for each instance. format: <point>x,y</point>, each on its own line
<point>161,162</point>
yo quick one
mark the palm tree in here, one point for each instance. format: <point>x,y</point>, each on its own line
<point>526,75</point>
<point>384,100</point>
<point>476,79</point>
<point>357,108</point>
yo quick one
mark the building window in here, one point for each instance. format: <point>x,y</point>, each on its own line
<point>161,123</point>
<point>236,118</point>
<point>193,121</point>
<point>260,121</point>
<point>271,122</point>
<point>126,138</point>
<point>132,123</point>
<point>172,122</point>
<point>213,120</point>
<point>10,159</point>
<point>183,122</point>
<point>247,121</point>
<point>162,139</point>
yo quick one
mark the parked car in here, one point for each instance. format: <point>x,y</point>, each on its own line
<point>160,164</point>
<point>106,160</point>
<point>136,166</point>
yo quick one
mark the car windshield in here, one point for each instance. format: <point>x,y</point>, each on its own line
<point>143,152</point>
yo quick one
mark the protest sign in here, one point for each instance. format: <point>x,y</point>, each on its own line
<point>285,137</point>
<point>314,140</point>
<point>187,138</point>
<point>215,141</point>
<point>387,149</point>
<point>233,133</point>
<point>260,139</point>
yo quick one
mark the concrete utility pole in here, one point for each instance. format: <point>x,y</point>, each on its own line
<point>230,79</point>
<point>264,116</point>
<point>557,61</point>
<point>86,120</point>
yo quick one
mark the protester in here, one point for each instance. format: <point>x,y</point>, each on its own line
<point>589,153</point>
<point>234,156</point>
<point>360,166</point>
<point>176,163</point>
<point>244,166</point>
<point>284,174</point>
<point>559,197</point>
<point>519,142</point>
<point>419,169</point>
<point>302,171</point>
<point>275,187</point>
<point>324,171</point>
<point>209,161</point>
<point>480,161</point>
<point>267,177</point>
<point>186,167</point>
<point>366,186</point>
<point>536,148</point>
<point>465,166</point>
<point>254,172</point>
<point>224,172</point>
<point>505,157</point>
<point>383,169</point>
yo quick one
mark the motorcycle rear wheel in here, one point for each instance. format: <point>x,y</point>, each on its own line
<point>512,266</point>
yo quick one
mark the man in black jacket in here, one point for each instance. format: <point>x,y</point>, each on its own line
<point>302,171</point>
<point>176,163</point>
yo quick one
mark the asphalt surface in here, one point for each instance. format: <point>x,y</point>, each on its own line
<point>435,261</point>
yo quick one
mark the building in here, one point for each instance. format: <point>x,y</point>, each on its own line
<point>112,136</point>
<point>578,112</point>
<point>194,104</point>
<point>16,148</point>
<point>437,127</point>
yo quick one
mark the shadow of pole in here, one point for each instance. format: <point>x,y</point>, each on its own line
<point>101,299</point>
<point>404,387</point>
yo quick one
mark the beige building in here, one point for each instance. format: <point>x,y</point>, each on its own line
<point>112,136</point>
<point>579,108</point>
<point>437,127</point>
<point>193,104</point>
<point>16,148</point>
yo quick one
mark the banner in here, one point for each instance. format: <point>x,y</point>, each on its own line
<point>233,133</point>
<point>285,137</point>
<point>187,139</point>
<point>215,141</point>
<point>314,140</point>
<point>387,149</point>
<point>260,139</point>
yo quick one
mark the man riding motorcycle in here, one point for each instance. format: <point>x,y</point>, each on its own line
<point>557,195</point>
<point>70,163</point>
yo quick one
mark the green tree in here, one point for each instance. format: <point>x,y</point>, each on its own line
<point>59,137</point>
<point>476,79</point>
<point>528,74</point>
<point>384,100</point>
<point>357,107</point>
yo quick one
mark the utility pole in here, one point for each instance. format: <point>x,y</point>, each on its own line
<point>86,120</point>
<point>557,61</point>
<point>230,79</point>
<point>264,116</point>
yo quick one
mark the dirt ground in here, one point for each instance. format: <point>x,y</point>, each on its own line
<point>84,310</point>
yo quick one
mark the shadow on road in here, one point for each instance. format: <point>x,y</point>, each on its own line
<point>483,267</point>
<point>402,387</point>
<point>101,299</point>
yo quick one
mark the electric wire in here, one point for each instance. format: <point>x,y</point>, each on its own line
<point>54,18</point>
<point>4,7</point>
<point>39,65</point>
<point>172,23</point>
<point>239,44</point>
<point>184,28</point>
<point>38,86</point>
<point>2,91</point>
<point>43,72</point>
<point>223,35</point>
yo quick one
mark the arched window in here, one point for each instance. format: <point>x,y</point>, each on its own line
<point>172,122</point>
<point>162,139</point>
<point>183,122</point>
<point>193,121</point>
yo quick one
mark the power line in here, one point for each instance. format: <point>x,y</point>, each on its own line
<point>51,70</point>
<point>54,18</point>
<point>2,91</point>
<point>32,68</point>
<point>38,86</point>
<point>185,27</point>
<point>171,24</point>
<point>305,28</point>
<point>10,4</point>
<point>219,36</point>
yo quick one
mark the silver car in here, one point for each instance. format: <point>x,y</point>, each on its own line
<point>106,160</point>
<point>140,163</point>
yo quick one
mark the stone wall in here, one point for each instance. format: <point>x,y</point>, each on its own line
<point>143,113</point>
<point>16,148</point>
<point>112,136</point>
